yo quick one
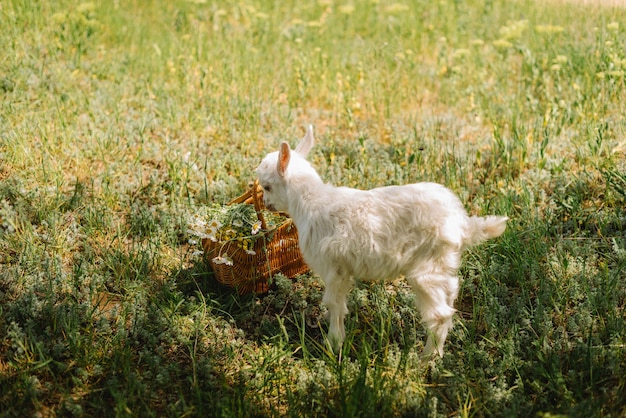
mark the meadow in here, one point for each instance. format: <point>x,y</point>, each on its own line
<point>120,121</point>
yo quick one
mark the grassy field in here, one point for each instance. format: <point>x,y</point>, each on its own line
<point>121,120</point>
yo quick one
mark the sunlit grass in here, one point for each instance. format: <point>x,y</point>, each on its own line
<point>119,121</point>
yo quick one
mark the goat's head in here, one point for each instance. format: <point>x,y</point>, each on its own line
<point>279,167</point>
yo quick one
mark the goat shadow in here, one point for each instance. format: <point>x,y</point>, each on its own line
<point>292,312</point>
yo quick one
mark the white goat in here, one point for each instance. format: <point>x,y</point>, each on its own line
<point>418,230</point>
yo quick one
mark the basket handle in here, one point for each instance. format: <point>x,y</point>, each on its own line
<point>258,205</point>
<point>244,198</point>
<point>252,196</point>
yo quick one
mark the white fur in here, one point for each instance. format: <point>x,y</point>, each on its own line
<point>418,230</point>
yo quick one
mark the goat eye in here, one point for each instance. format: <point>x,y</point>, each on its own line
<point>267,188</point>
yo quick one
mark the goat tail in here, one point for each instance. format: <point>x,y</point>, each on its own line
<point>481,229</point>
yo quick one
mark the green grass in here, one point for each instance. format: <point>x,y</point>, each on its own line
<point>120,120</point>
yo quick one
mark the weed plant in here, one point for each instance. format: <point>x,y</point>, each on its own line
<point>120,121</point>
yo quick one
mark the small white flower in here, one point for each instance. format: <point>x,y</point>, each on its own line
<point>223,259</point>
<point>211,234</point>
<point>214,224</point>
<point>197,233</point>
<point>238,223</point>
<point>256,227</point>
<point>250,252</point>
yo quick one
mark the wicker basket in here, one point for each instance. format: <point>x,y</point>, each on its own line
<point>276,251</point>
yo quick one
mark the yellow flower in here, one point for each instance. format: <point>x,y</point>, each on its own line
<point>560,59</point>
<point>396,8</point>
<point>502,43</point>
<point>228,234</point>
<point>346,9</point>
<point>461,53</point>
<point>59,17</point>
<point>86,8</point>
<point>549,29</point>
<point>513,30</point>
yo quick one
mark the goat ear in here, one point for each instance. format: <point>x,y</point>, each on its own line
<point>306,143</point>
<point>284,154</point>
